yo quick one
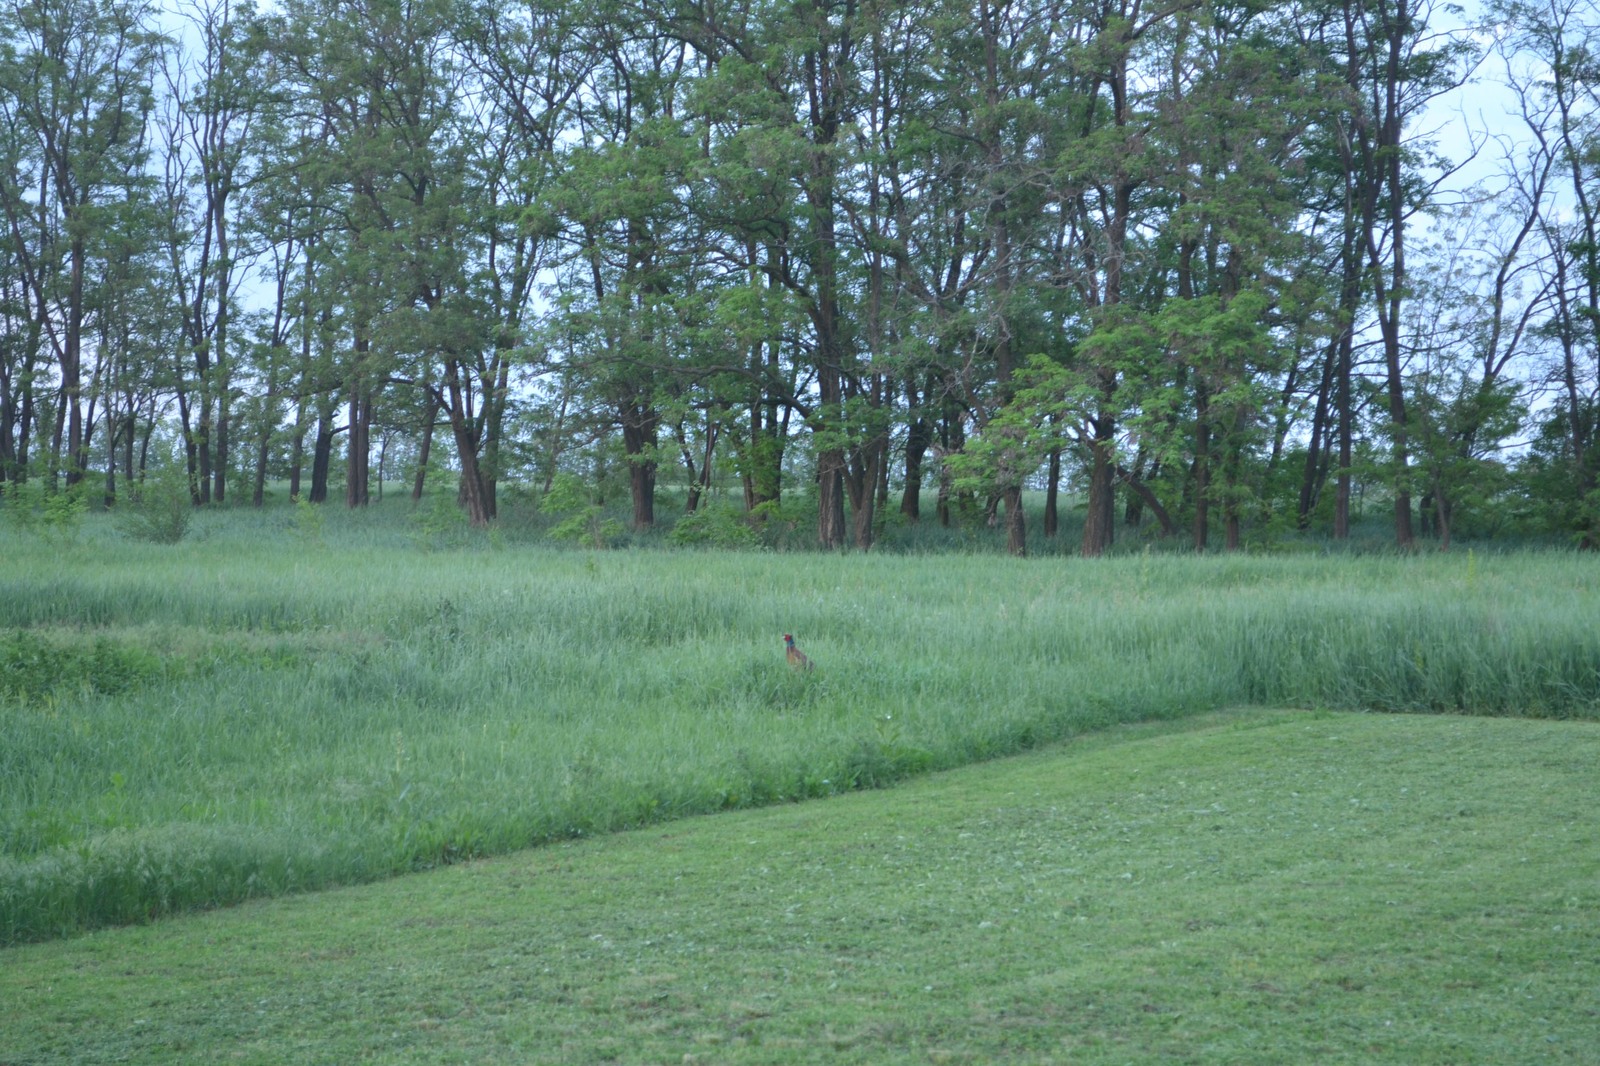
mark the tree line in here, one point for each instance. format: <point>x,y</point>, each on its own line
<point>1208,262</point>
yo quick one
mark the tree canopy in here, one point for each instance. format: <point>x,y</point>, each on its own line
<point>1212,265</point>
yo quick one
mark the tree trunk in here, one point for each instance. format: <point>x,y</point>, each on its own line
<point>639,425</point>
<point>297,445</point>
<point>219,470</point>
<point>1137,486</point>
<point>321,459</point>
<point>1319,442</point>
<point>1346,432</point>
<point>953,437</point>
<point>76,456</point>
<point>830,499</point>
<point>358,445</point>
<point>919,437</point>
<point>1016,529</point>
<point>494,428</point>
<point>112,434</point>
<point>1202,468</point>
<point>831,462</point>
<point>466,441</point>
<point>1097,524</point>
<point>297,455</point>
<point>128,440</point>
<point>258,479</point>
<point>1052,519</point>
<point>425,450</point>
<point>692,501</point>
<point>703,486</point>
<point>1442,515</point>
<point>862,476</point>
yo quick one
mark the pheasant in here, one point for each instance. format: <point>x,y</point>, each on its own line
<point>797,658</point>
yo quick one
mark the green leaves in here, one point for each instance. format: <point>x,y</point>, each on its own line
<point>160,509</point>
<point>580,518</point>
<point>53,512</point>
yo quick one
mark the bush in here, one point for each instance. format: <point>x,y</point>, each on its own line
<point>34,669</point>
<point>162,509</point>
<point>580,518</point>
<point>307,522</point>
<point>714,527</point>
<point>441,524</point>
<point>36,506</point>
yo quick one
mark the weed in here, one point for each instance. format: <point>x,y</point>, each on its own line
<point>714,527</point>
<point>307,522</point>
<point>36,668</point>
<point>581,518</point>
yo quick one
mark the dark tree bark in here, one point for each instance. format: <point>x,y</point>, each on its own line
<point>639,427</point>
<point>425,447</point>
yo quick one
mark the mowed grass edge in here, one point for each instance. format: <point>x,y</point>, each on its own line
<point>243,717</point>
<point>1247,887</point>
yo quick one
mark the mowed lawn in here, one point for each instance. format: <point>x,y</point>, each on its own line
<point>1249,886</point>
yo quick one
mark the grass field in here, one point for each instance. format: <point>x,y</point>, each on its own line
<point>1250,887</point>
<point>274,709</point>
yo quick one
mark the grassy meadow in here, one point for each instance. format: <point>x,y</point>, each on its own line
<point>281,703</point>
<point>1252,887</point>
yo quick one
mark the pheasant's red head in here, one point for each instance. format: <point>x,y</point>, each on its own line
<point>788,638</point>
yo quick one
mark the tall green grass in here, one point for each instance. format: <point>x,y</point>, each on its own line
<point>262,710</point>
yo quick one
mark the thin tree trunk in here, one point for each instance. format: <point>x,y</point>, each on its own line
<point>462,428</point>
<point>425,450</point>
<point>917,441</point>
<point>1052,518</point>
<point>1202,468</point>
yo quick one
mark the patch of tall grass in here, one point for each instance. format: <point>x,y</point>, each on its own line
<point>293,713</point>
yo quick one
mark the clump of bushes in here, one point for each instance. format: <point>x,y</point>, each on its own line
<point>162,508</point>
<point>714,527</point>
<point>35,668</point>
<point>581,518</point>
<point>37,507</point>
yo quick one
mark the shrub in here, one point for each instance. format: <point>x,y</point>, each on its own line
<point>441,524</point>
<point>34,668</point>
<point>307,522</point>
<point>580,518</point>
<point>36,506</point>
<point>714,527</point>
<point>162,509</point>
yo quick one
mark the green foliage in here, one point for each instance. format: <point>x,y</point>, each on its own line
<point>307,523</point>
<point>161,510</point>
<point>580,518</point>
<point>788,524</point>
<point>714,526</point>
<point>39,508</point>
<point>724,248</point>
<point>1015,441</point>
<point>1551,479</point>
<point>441,523</point>
<point>761,461</point>
<point>38,669</point>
